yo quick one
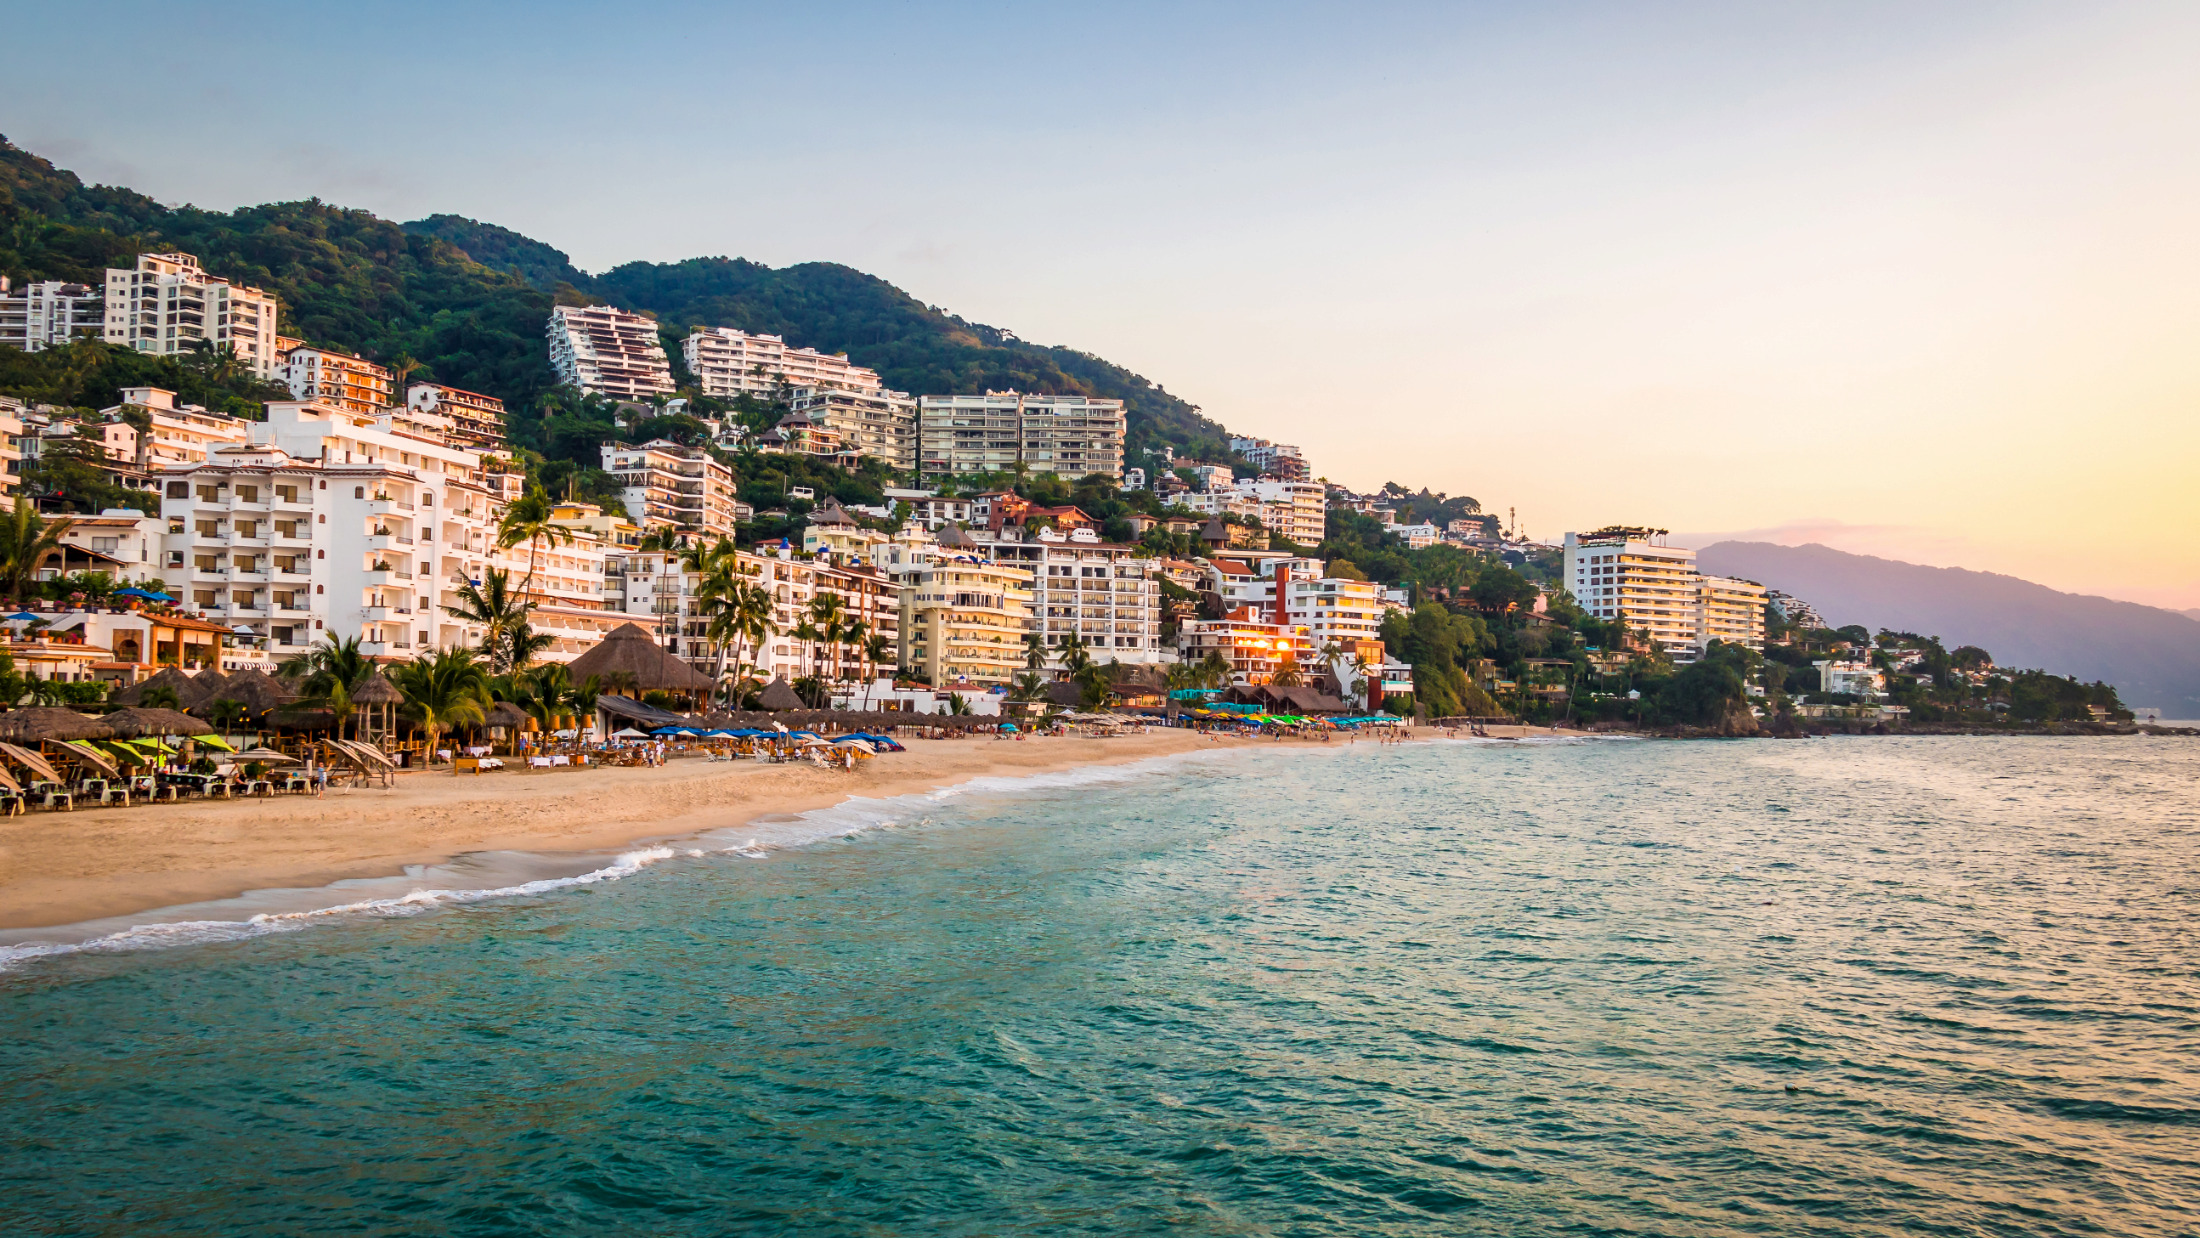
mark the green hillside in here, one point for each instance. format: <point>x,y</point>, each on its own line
<point>465,302</point>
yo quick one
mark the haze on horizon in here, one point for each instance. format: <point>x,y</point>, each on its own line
<point>1915,282</point>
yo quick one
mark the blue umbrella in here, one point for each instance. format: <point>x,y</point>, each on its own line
<point>22,616</point>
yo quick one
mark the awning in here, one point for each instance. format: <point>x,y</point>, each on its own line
<point>91,755</point>
<point>214,741</point>
<point>30,761</point>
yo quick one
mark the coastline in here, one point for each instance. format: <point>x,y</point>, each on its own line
<point>59,869</point>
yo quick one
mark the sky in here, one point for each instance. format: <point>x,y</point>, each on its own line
<point>1920,281</point>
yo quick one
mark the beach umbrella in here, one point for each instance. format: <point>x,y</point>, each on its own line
<point>629,733</point>
<point>266,756</point>
<point>1008,726</point>
<point>31,761</point>
<point>213,741</point>
<point>23,616</point>
<point>857,744</point>
<point>83,749</point>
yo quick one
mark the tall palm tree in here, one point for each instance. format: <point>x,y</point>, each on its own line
<point>25,541</point>
<point>443,690</point>
<point>1214,670</point>
<point>497,608</point>
<point>1075,654</point>
<point>876,650</point>
<point>402,367</point>
<point>525,644</point>
<point>748,618</point>
<point>326,676</point>
<point>827,619</point>
<point>528,520</point>
<point>1035,651</point>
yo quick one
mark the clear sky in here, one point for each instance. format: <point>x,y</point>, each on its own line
<point>1913,280</point>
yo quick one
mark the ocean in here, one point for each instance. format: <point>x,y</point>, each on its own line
<point>1844,987</point>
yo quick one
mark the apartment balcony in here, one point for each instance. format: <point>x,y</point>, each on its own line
<point>389,541</point>
<point>246,611</point>
<point>248,505</point>
<point>387,578</point>
<point>384,505</point>
<point>304,499</point>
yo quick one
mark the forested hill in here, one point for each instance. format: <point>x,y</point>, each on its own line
<point>835,308</point>
<point>468,300</point>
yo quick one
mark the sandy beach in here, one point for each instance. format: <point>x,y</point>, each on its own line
<point>60,868</point>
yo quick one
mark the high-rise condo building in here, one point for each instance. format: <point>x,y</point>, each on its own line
<point>1101,591</point>
<point>608,352</point>
<point>169,305</point>
<point>477,421</point>
<point>876,423</point>
<point>340,379</point>
<point>40,315</point>
<point>729,363</point>
<point>1628,574</point>
<point>1278,460</point>
<point>669,484</point>
<point>1070,435</point>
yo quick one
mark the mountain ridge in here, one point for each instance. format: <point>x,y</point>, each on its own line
<point>469,300</point>
<point>2150,654</point>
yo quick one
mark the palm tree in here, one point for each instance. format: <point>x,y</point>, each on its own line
<point>528,520</point>
<point>827,620</point>
<point>1075,653</point>
<point>224,713</point>
<point>493,605</point>
<point>25,541</point>
<point>443,690</point>
<point>525,643</point>
<point>1287,675</point>
<point>402,367</point>
<point>875,652</point>
<point>160,696</point>
<point>326,675</point>
<point>1214,670</point>
<point>1035,651</point>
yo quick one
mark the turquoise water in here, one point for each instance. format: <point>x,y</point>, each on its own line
<point>1867,986</point>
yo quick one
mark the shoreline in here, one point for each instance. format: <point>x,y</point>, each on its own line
<point>63,869</point>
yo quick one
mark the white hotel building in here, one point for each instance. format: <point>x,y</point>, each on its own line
<point>168,304</point>
<point>1627,574</point>
<point>40,315</point>
<point>729,364</point>
<point>328,523</point>
<point>1069,435</point>
<point>608,352</point>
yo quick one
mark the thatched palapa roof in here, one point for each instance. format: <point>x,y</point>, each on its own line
<point>257,691</point>
<point>166,677</point>
<point>141,721</point>
<point>504,714</point>
<point>777,696</point>
<point>207,685</point>
<point>375,690</point>
<point>46,722</point>
<point>631,649</point>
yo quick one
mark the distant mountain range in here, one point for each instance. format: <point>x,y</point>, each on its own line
<point>2151,655</point>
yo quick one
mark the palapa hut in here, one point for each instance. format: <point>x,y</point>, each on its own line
<point>377,700</point>
<point>208,685</point>
<point>502,719</point>
<point>260,693</point>
<point>777,696</point>
<point>632,650</point>
<point>51,723</point>
<point>166,677</point>
<point>139,722</point>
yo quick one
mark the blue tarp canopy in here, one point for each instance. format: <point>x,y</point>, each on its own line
<point>135,592</point>
<point>1193,694</point>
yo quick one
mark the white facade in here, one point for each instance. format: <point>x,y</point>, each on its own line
<point>1279,460</point>
<point>329,525</point>
<point>476,420</point>
<point>875,423</point>
<point>655,584</point>
<point>182,434</point>
<point>729,363</point>
<point>1102,591</point>
<point>1069,435</point>
<point>1626,574</point>
<point>608,352</point>
<point>351,383</point>
<point>40,315</point>
<point>668,484</point>
<point>169,304</point>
